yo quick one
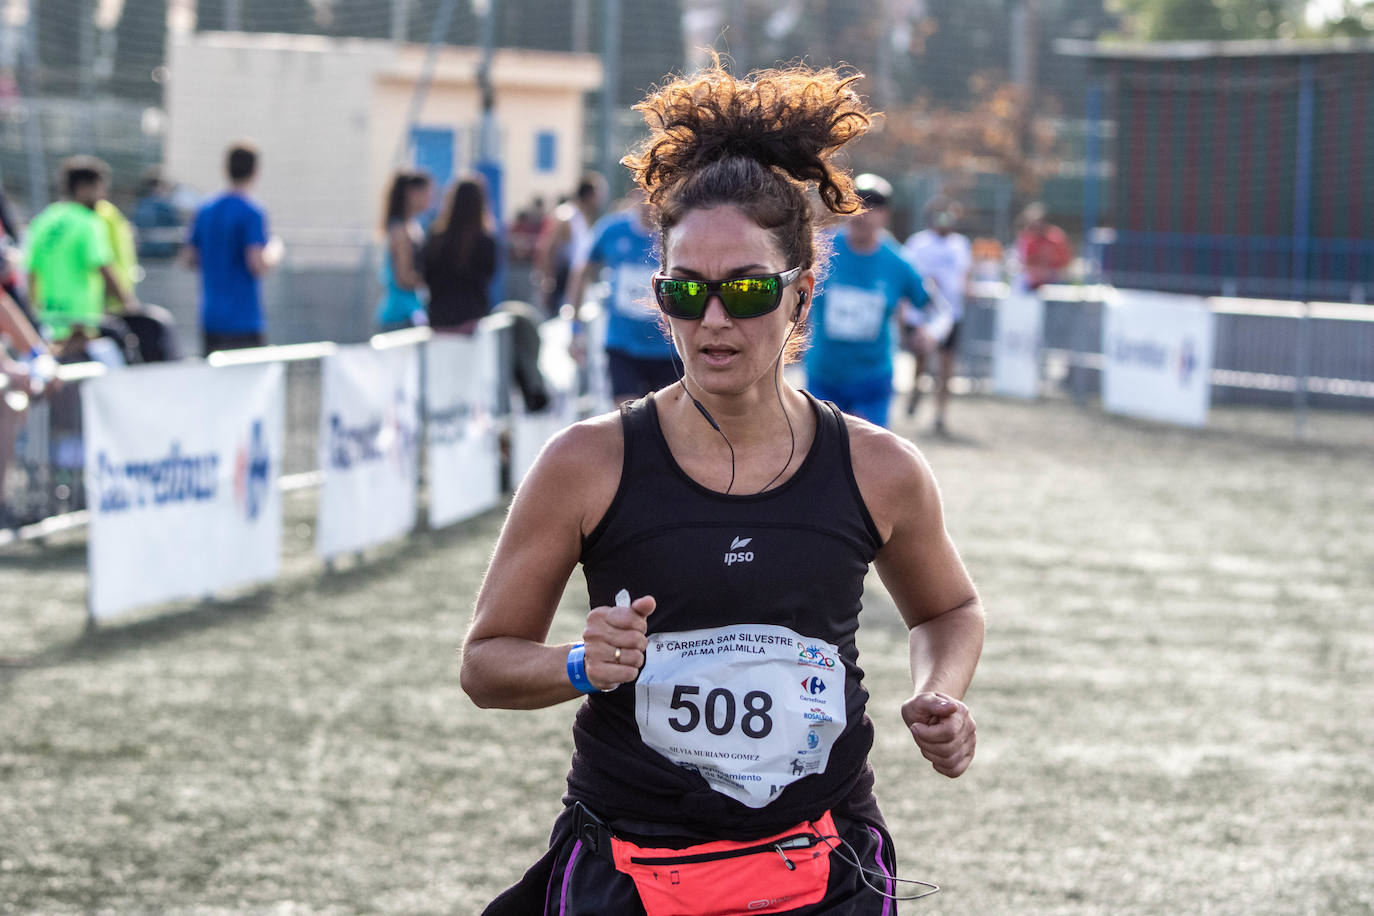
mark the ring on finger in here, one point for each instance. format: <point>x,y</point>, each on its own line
<point>617,654</point>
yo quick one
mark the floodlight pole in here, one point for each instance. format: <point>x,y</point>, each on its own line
<point>486,142</point>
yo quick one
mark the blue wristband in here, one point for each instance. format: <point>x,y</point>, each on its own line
<point>577,670</point>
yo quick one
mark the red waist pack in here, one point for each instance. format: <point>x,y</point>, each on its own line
<point>771,875</point>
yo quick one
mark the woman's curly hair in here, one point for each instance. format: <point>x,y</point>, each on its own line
<point>758,143</point>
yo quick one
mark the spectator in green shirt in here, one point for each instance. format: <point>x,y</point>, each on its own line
<point>71,262</point>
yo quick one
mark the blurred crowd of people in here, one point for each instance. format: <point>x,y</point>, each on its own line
<point>69,291</point>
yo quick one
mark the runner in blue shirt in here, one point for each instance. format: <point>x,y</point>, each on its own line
<point>850,360</point>
<point>639,355</point>
<point>229,243</point>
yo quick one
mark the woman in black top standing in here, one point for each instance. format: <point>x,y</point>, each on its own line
<point>460,259</point>
<point>725,525</point>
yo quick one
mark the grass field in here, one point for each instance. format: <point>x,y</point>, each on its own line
<point>1175,704</point>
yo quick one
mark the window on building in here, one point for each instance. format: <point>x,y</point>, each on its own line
<point>545,151</point>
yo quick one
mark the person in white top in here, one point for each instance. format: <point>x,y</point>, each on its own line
<point>563,241</point>
<point>944,257</point>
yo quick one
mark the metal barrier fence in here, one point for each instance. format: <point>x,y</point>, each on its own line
<point>1268,352</point>
<point>44,489</point>
<point>1299,355</point>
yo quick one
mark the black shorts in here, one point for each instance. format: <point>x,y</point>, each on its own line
<point>572,881</point>
<point>635,377</point>
<point>951,342</point>
<point>215,342</point>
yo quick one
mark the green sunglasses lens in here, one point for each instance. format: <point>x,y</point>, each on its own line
<point>750,297</point>
<point>683,298</point>
<point>745,297</point>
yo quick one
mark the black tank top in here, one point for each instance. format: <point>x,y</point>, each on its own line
<point>810,542</point>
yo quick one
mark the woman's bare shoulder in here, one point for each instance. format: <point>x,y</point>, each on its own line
<point>892,474</point>
<point>579,468</point>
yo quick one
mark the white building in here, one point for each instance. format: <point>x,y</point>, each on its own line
<point>330,117</point>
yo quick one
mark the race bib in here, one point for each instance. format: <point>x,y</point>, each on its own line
<point>752,708</point>
<point>854,314</point>
<point>634,293</point>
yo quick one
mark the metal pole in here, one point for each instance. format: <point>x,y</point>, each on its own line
<point>486,141</point>
<point>33,127</point>
<point>1301,368</point>
<point>610,66</point>
<point>1302,192</point>
<point>1091,171</point>
<point>417,99</point>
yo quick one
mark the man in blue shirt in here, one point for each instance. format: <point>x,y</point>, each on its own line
<point>638,352</point>
<point>229,243</point>
<point>852,320</point>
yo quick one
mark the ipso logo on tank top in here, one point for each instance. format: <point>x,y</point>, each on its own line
<point>752,708</point>
<point>738,552</point>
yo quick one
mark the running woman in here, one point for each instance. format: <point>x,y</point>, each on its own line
<point>725,526</point>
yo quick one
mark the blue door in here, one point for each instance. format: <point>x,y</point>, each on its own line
<point>432,149</point>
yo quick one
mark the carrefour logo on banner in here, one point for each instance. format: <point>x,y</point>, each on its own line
<point>450,425</point>
<point>1187,361</point>
<point>252,473</point>
<point>183,477</point>
<point>377,440</point>
<point>171,478</point>
<point>1149,354</point>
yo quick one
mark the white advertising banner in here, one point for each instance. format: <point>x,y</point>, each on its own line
<point>1017,343</point>
<point>462,449</point>
<point>530,431</point>
<point>369,447</point>
<point>1157,356</point>
<point>181,479</point>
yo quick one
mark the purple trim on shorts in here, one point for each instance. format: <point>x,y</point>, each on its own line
<point>567,876</point>
<point>878,857</point>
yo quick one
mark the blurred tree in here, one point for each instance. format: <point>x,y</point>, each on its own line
<point>987,136</point>
<point>1218,20</point>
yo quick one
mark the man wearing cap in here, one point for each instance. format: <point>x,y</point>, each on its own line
<point>945,257</point>
<point>868,279</point>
